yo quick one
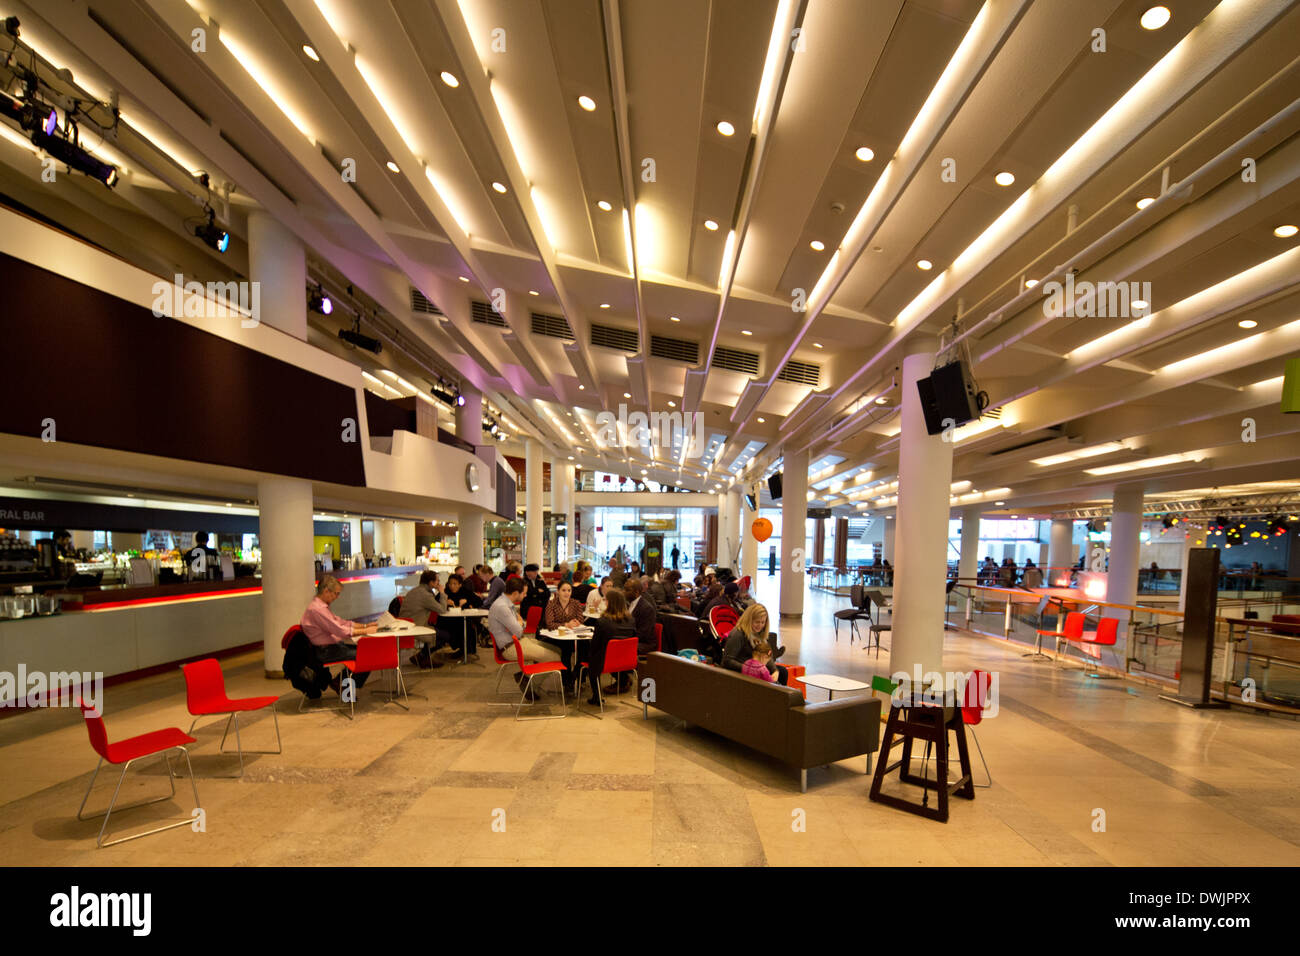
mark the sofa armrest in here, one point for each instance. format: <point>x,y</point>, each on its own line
<point>833,730</point>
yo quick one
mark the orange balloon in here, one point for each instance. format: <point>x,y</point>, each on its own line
<point>762,529</point>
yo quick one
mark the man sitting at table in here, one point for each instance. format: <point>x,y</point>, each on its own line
<point>417,604</point>
<point>331,635</point>
<point>504,623</point>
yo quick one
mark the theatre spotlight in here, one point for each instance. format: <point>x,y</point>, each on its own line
<point>1276,526</point>
<point>318,301</point>
<point>212,234</point>
<point>354,336</point>
<point>1170,521</point>
<point>1233,536</point>
<point>460,399</point>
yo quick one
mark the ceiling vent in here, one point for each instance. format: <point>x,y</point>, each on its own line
<point>801,373</point>
<point>484,314</point>
<point>553,326</point>
<point>735,360</point>
<point>612,337</point>
<point>420,303</point>
<point>675,350</point>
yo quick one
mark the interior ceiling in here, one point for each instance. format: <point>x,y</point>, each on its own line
<point>501,179</point>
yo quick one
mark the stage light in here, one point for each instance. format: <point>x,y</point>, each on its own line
<point>460,399</point>
<point>212,234</point>
<point>355,337</point>
<point>318,301</point>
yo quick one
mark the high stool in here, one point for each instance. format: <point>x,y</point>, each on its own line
<point>931,723</point>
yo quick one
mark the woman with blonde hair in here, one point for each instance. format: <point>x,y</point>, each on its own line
<point>748,633</point>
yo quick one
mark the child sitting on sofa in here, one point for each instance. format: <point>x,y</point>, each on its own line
<point>756,666</point>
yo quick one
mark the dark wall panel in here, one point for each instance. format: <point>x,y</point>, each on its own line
<point>505,494</point>
<point>113,375</point>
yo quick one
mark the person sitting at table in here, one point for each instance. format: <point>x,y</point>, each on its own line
<point>478,581</point>
<point>644,616</point>
<point>451,632</point>
<point>495,585</point>
<point>537,594</point>
<point>664,592</point>
<point>505,624</point>
<point>1032,576</point>
<point>333,637</point>
<point>702,602</point>
<point>563,611</point>
<point>460,571</point>
<point>615,623</point>
<point>581,585</point>
<point>756,666</point>
<point>728,598</point>
<point>596,600</point>
<point>748,633</point>
<point>417,604</point>
<point>744,599</point>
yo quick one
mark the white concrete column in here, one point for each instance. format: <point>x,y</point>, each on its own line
<point>568,478</point>
<point>1060,552</point>
<point>403,542</point>
<point>1125,542</point>
<point>469,538</point>
<point>735,531</point>
<point>748,543</point>
<point>921,562</point>
<point>969,562</point>
<point>725,557</point>
<point>354,528</point>
<point>284,534</point>
<point>794,521</point>
<point>534,518</point>
<point>383,537</point>
<point>469,416</point>
<point>277,262</point>
<point>887,539</point>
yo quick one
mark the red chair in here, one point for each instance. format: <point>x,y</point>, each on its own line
<point>205,696</point>
<point>684,602</point>
<point>620,657</point>
<point>972,712</point>
<point>1091,642</point>
<point>659,637</point>
<point>378,652</point>
<point>285,641</point>
<point>1072,630</point>
<point>531,622</point>
<point>721,621</point>
<point>536,670</point>
<point>128,752</point>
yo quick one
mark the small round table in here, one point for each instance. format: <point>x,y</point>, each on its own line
<point>831,683</point>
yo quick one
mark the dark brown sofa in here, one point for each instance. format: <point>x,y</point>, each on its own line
<point>767,717</point>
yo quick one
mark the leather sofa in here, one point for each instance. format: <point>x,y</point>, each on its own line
<point>766,717</point>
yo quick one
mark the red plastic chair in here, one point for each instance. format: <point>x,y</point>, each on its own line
<point>1072,630</point>
<point>620,657</point>
<point>972,712</point>
<point>284,645</point>
<point>127,752</point>
<point>536,670</point>
<point>659,637</point>
<point>205,696</point>
<point>531,622</point>
<point>721,621</point>
<point>378,652</point>
<point>1091,642</point>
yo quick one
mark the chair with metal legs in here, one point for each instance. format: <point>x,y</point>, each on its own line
<point>859,611</point>
<point>205,696</point>
<point>536,670</point>
<point>620,657</point>
<point>127,752</point>
<point>378,652</point>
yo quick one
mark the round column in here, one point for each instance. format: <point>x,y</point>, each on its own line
<point>534,519</point>
<point>1060,552</point>
<point>748,543</point>
<point>284,534</point>
<point>403,542</point>
<point>921,527</point>
<point>469,416</point>
<point>968,565</point>
<point>277,262</point>
<point>1125,543</point>
<point>887,539</point>
<point>725,557</point>
<point>469,538</point>
<point>794,521</point>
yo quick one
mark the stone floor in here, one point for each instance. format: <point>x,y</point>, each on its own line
<point>457,781</point>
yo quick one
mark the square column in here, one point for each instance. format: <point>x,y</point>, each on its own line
<point>534,518</point>
<point>794,521</point>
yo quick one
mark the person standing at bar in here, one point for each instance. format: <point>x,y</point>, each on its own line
<point>201,560</point>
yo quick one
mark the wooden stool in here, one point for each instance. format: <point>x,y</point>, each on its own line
<point>931,723</point>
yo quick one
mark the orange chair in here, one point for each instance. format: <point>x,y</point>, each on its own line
<point>620,657</point>
<point>378,652</point>
<point>127,752</point>
<point>794,672</point>
<point>536,670</point>
<point>205,696</point>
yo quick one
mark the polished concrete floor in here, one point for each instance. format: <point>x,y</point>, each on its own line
<point>1084,773</point>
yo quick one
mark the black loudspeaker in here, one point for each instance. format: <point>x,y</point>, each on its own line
<point>948,397</point>
<point>774,486</point>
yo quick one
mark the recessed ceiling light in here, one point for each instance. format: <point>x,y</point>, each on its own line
<point>673,318</point>
<point>311,52</point>
<point>450,79</point>
<point>818,345</point>
<point>865,154</point>
<point>725,128</point>
<point>392,167</point>
<point>1139,304</point>
<point>1030,283</point>
<point>762,420</point>
<point>1247,324</point>
<point>817,245</point>
<point>570,458</point>
<point>604,305</point>
<point>1285,232</point>
<point>463,278</point>
<point>882,401</point>
<point>606,207</point>
<point>627,394</point>
<point>1144,202</point>
<point>532,292</point>
<point>925,265</point>
<point>746,332</point>
<point>1154,18</point>
<point>499,187</point>
<point>710,225</point>
<point>672,404</point>
<point>644,472</point>
<point>582,388</point>
<point>587,103</point>
<point>999,503</point>
<point>1004,179</point>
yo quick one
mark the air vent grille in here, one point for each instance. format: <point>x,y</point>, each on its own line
<point>611,337</point>
<point>736,360</point>
<point>420,303</point>
<point>801,373</point>
<point>676,350</point>
<point>552,325</point>
<point>484,314</point>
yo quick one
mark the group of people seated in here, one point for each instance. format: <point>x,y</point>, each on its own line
<point>1008,573</point>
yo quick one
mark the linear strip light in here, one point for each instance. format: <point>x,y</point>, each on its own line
<point>263,79</point>
<point>1146,463</point>
<point>1092,451</point>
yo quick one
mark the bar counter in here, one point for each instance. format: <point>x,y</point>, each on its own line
<point>122,631</point>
